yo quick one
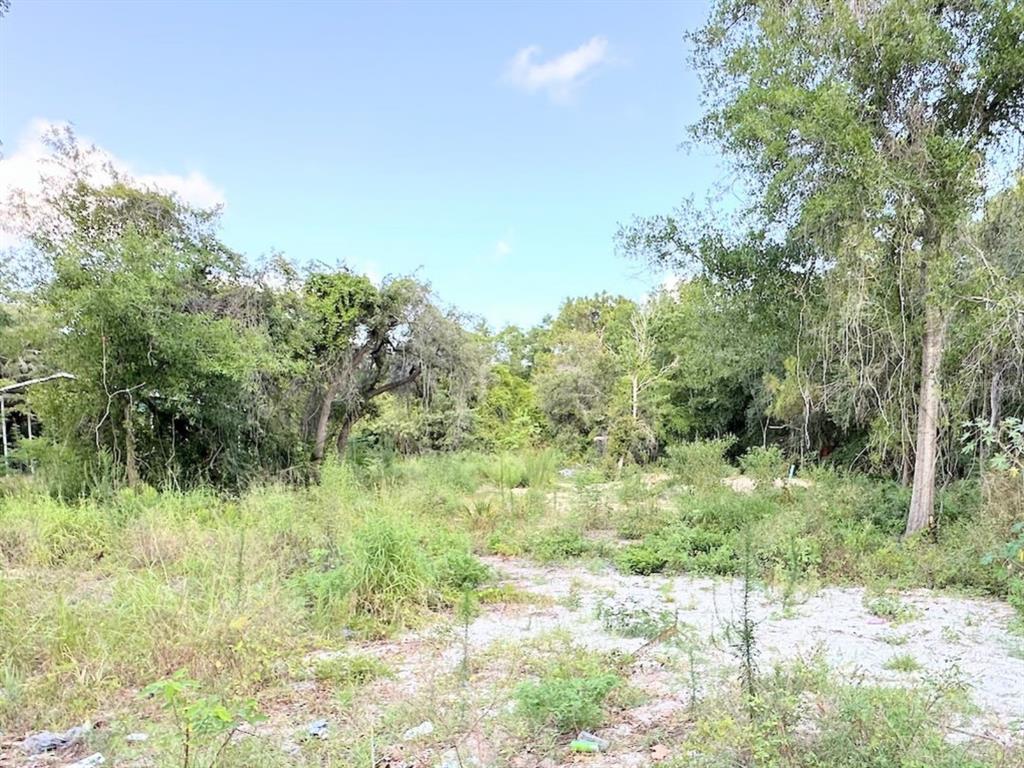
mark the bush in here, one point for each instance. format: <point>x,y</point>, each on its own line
<point>764,464</point>
<point>701,463</point>
<point>641,559</point>
<point>460,570</point>
<point>566,703</point>
<point>558,544</point>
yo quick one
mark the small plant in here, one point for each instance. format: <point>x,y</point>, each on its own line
<point>566,703</point>
<point>459,569</point>
<point>743,631</point>
<point>468,609</point>
<point>630,617</point>
<point>641,559</point>
<point>354,670</point>
<point>903,663</point>
<point>891,609</point>
<point>558,544</point>
<point>895,638</point>
<point>206,724</point>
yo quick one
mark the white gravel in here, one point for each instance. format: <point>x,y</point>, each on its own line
<point>950,637</point>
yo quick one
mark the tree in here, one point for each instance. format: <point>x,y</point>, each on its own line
<point>576,374</point>
<point>155,325</point>
<point>866,129</point>
<point>633,432</point>
<point>367,341</point>
<point>508,416</point>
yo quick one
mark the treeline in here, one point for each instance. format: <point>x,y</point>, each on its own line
<point>863,305</point>
<point>192,366</point>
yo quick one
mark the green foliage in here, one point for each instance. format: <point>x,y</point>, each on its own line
<point>904,662</point>
<point>560,543</point>
<point>642,559</point>
<point>891,608</point>
<point>525,469</point>
<point>460,570</point>
<point>764,464</point>
<point>387,575</point>
<point>633,618</point>
<point>350,670</point>
<point>700,463</point>
<point>206,724</point>
<point>508,417</point>
<point>847,726</point>
<point>566,701</point>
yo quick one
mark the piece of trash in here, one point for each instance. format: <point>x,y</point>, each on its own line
<point>136,738</point>
<point>585,738</point>
<point>89,762</point>
<point>423,729</point>
<point>317,729</point>
<point>567,472</point>
<point>48,741</point>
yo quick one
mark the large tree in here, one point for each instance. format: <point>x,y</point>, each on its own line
<point>868,129</point>
<point>366,341</point>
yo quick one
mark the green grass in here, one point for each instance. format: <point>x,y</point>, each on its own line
<point>101,596</point>
<point>802,718</point>
<point>904,662</point>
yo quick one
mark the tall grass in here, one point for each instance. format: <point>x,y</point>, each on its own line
<point>104,595</point>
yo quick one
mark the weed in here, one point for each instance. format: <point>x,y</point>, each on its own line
<point>890,608</point>
<point>641,559</point>
<point>895,638</point>
<point>903,663</point>
<point>633,618</point>
<point>460,570</point>
<point>350,670</point>
<point>558,544</point>
<point>388,574</point>
<point>507,594</point>
<point>764,464</point>
<point>205,724</point>
<point>567,703</point>
<point>701,463</point>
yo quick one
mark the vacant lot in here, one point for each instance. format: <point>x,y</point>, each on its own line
<point>482,610</point>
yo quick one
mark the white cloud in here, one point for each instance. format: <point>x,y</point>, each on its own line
<point>23,170</point>
<point>502,249</point>
<point>559,76</point>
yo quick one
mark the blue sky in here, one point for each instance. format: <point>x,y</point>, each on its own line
<point>493,147</point>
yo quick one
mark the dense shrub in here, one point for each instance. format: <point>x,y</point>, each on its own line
<point>764,463</point>
<point>700,463</point>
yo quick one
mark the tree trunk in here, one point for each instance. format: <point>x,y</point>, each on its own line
<point>130,461</point>
<point>922,499</point>
<point>346,431</point>
<point>323,422</point>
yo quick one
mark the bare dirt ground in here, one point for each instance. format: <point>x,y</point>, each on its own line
<point>951,638</point>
